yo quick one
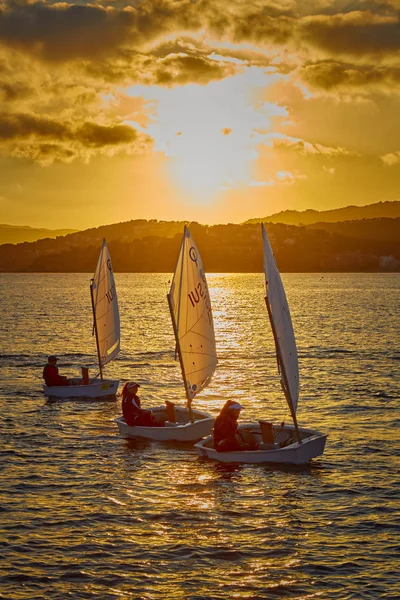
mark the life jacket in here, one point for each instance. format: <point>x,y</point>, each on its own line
<point>51,376</point>
<point>225,427</point>
<point>131,408</point>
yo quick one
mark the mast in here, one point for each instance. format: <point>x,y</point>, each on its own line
<point>96,331</point>
<point>281,366</point>
<point>178,348</point>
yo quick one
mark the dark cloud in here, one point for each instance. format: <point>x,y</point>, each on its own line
<point>178,70</point>
<point>91,134</point>
<point>354,33</point>
<point>261,28</point>
<point>66,31</point>
<point>153,69</point>
<point>62,32</point>
<point>13,91</point>
<point>45,140</point>
<point>23,126</point>
<point>14,126</point>
<point>237,21</point>
<point>329,74</point>
<point>236,55</point>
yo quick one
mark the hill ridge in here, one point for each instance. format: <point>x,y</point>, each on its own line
<point>383,209</point>
<point>141,246</point>
<point>17,234</point>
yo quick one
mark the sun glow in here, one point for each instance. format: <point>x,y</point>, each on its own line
<point>208,131</point>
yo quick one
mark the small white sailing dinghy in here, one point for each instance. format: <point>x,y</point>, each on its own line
<point>276,443</point>
<point>192,321</point>
<point>106,327</point>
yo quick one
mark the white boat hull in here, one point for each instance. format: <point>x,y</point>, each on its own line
<point>99,388</point>
<point>181,431</point>
<point>287,451</point>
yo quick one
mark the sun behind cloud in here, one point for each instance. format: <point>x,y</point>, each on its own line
<point>207,132</point>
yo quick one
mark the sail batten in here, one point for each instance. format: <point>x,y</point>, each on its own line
<point>191,314</point>
<point>105,308</point>
<point>281,322</point>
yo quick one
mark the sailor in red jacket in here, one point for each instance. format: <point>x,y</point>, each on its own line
<point>134,415</point>
<point>50,373</point>
<point>227,436</point>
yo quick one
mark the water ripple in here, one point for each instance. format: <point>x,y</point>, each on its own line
<point>86,514</point>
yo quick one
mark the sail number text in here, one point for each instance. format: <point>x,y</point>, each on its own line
<point>201,292</point>
<point>111,294</point>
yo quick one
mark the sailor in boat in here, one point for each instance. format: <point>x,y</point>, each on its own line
<point>50,373</point>
<point>133,414</point>
<point>227,437</point>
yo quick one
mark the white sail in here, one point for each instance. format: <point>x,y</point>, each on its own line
<point>190,306</point>
<point>105,308</point>
<point>282,327</point>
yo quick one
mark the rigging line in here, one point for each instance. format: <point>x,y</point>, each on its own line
<point>192,355</point>
<point>200,335</point>
<point>108,336</point>
<point>194,325</point>
<point>199,370</point>
<point>108,279</point>
<point>103,275</point>
<point>104,314</point>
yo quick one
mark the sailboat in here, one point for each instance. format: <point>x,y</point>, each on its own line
<point>192,322</point>
<point>106,328</point>
<point>275,443</point>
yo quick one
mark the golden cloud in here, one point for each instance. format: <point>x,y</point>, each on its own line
<point>391,159</point>
<point>328,74</point>
<point>299,145</point>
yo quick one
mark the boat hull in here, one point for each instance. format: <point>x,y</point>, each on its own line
<point>292,452</point>
<point>98,389</point>
<point>181,431</point>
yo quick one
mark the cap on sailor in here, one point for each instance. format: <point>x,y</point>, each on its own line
<point>235,406</point>
<point>132,384</point>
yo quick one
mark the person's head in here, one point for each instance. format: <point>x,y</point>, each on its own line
<point>52,360</point>
<point>130,388</point>
<point>231,408</point>
<point>234,410</point>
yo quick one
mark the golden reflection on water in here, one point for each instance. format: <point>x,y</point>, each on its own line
<point>86,512</point>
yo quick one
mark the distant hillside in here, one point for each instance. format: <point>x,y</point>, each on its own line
<point>383,230</point>
<point>379,210</point>
<point>152,246</point>
<point>16,234</point>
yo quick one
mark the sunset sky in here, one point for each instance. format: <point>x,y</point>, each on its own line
<point>214,111</point>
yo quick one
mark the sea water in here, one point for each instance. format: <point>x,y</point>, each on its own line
<point>85,513</point>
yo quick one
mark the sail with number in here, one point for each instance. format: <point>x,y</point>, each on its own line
<point>281,323</point>
<point>190,306</point>
<point>105,308</point>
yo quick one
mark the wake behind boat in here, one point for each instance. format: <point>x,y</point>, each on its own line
<point>192,321</point>
<point>285,443</point>
<point>106,327</point>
